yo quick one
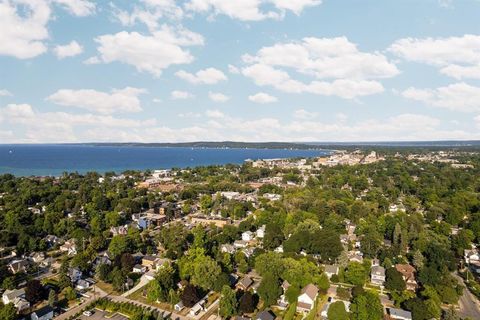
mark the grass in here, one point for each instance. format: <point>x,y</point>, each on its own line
<point>107,287</point>
<point>138,296</point>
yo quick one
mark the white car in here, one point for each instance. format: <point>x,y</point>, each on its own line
<point>87,313</point>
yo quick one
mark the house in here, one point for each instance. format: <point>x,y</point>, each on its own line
<point>82,285</point>
<point>408,274</point>
<point>45,313</point>
<point>197,308</point>
<point>244,284</point>
<point>179,306</point>
<point>377,275</point>
<point>261,232</point>
<point>119,231</point>
<point>248,236</point>
<point>265,315</point>
<point>471,256</point>
<point>330,270</point>
<point>248,252</point>
<point>69,247</point>
<point>17,266</point>
<point>399,314</point>
<point>307,298</point>
<point>227,248</point>
<point>138,268</point>
<point>38,257</point>
<point>52,240</point>
<point>10,295</point>
<point>21,304</point>
<point>282,302</point>
<point>240,244</point>
<point>149,262</point>
<point>74,274</point>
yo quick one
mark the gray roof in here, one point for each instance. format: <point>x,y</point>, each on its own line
<point>329,268</point>
<point>400,313</point>
<point>265,315</point>
<point>378,271</point>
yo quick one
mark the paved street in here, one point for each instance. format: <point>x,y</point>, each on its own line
<point>468,303</point>
<point>98,294</point>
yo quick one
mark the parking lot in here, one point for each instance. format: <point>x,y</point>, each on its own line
<point>102,315</point>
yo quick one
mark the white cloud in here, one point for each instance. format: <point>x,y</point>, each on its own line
<point>218,97</point>
<point>304,114</point>
<point>344,71</point>
<point>262,97</point>
<point>23,28</point>
<point>233,69</point>
<point>5,93</point>
<point>149,12</point>
<point>457,57</point>
<point>149,53</point>
<point>181,95</point>
<point>215,114</point>
<point>457,97</point>
<point>205,76</point>
<point>80,8</point>
<point>119,100</point>
<point>69,50</point>
<point>250,10</point>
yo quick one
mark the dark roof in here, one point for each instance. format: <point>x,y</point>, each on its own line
<point>45,310</point>
<point>265,315</point>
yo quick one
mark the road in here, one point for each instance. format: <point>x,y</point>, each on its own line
<point>73,311</point>
<point>468,303</point>
<point>143,281</point>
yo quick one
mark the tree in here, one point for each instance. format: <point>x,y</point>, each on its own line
<point>450,314</point>
<point>337,311</point>
<point>205,272</point>
<point>117,279</point>
<point>356,274</point>
<point>228,302</point>
<point>394,280</point>
<point>366,306</point>
<point>247,303</point>
<point>52,298</point>
<point>418,259</point>
<point>273,236</point>
<point>8,312</point>
<point>33,291</point>
<point>189,296</point>
<point>127,261</point>
<point>69,293</point>
<point>269,289</point>
<point>102,271</point>
<point>118,245</point>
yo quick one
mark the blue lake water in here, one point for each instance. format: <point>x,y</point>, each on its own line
<point>43,160</point>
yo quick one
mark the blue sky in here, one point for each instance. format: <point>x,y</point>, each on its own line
<point>250,70</point>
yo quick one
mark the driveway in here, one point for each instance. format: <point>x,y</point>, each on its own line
<point>143,281</point>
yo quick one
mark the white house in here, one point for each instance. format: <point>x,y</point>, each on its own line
<point>307,298</point>
<point>46,313</point>
<point>377,275</point>
<point>248,236</point>
<point>227,248</point>
<point>330,270</point>
<point>138,268</point>
<point>261,232</point>
<point>471,256</point>
<point>10,295</point>
<point>399,314</point>
<point>82,285</point>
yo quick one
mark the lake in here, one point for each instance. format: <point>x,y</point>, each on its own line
<point>53,160</point>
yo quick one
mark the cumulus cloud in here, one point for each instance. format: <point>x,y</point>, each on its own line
<point>69,50</point>
<point>181,95</point>
<point>205,76</point>
<point>250,10</point>
<point>118,100</point>
<point>457,57</point>
<point>149,53</point>
<point>457,97</point>
<point>218,97</point>
<point>338,68</point>
<point>80,8</point>
<point>23,28</point>
<point>304,114</point>
<point>5,93</point>
<point>262,97</point>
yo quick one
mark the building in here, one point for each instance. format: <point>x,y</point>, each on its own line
<point>206,221</point>
<point>244,284</point>
<point>17,266</point>
<point>265,315</point>
<point>82,285</point>
<point>408,274</point>
<point>74,274</point>
<point>471,256</point>
<point>248,236</point>
<point>377,275</point>
<point>45,313</point>
<point>227,248</point>
<point>307,298</point>
<point>69,247</point>
<point>331,270</point>
<point>138,268</point>
<point>10,295</point>
<point>261,232</point>
<point>399,314</point>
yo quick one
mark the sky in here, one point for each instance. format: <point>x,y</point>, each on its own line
<point>241,70</point>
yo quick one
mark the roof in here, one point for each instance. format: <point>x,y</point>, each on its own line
<point>12,294</point>
<point>378,271</point>
<point>45,310</point>
<point>246,282</point>
<point>400,313</point>
<point>329,268</point>
<point>265,315</point>
<point>311,291</point>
